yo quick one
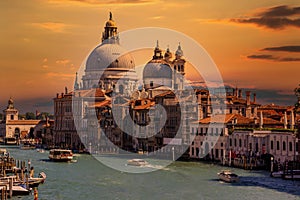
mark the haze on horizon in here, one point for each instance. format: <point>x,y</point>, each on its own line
<point>44,42</point>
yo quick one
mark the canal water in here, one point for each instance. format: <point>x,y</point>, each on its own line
<point>88,179</point>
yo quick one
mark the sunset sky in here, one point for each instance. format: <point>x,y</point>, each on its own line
<point>255,44</point>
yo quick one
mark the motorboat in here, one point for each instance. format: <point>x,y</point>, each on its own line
<point>60,155</point>
<point>27,146</point>
<point>137,162</point>
<point>228,176</point>
<point>278,174</point>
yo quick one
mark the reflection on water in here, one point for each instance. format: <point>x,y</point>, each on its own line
<point>89,179</point>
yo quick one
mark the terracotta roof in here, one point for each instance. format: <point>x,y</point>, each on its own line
<point>23,122</point>
<point>217,119</point>
<point>269,112</point>
<point>271,121</point>
<point>228,118</point>
<point>101,103</point>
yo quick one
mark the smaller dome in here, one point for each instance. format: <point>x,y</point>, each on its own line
<point>157,70</point>
<point>111,23</point>
<point>179,52</point>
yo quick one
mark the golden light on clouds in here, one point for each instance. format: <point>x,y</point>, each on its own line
<point>52,26</point>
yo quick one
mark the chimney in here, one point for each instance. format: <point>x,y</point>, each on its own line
<point>285,120</point>
<point>254,97</point>
<point>199,98</point>
<point>240,93</point>
<point>292,121</point>
<point>248,97</point>
<point>66,90</point>
<point>261,120</point>
<point>62,95</point>
<point>57,95</point>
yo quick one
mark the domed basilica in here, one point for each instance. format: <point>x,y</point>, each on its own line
<point>109,66</point>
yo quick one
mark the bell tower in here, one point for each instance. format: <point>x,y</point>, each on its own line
<point>10,112</point>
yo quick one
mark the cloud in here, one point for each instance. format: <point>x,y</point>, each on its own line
<point>106,2</point>
<point>289,59</point>
<point>262,56</point>
<point>156,17</point>
<point>283,48</point>
<point>63,62</point>
<point>273,58</point>
<point>59,75</point>
<point>280,11</point>
<point>52,26</point>
<point>276,18</point>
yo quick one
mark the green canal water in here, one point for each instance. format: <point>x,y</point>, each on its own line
<point>88,179</point>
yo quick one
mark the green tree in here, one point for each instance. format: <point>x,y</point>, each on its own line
<point>29,115</point>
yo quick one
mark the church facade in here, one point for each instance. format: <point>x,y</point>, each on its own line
<point>13,128</point>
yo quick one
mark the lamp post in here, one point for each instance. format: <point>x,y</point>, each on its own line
<point>173,153</point>
<point>272,164</point>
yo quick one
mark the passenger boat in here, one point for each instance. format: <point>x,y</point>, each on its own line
<point>228,176</point>
<point>10,140</point>
<point>137,162</point>
<point>60,155</point>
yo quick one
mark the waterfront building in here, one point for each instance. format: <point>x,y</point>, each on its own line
<point>255,143</point>
<point>211,134</point>
<point>218,135</point>
<point>13,127</point>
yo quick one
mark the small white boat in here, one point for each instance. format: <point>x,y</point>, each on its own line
<point>60,155</point>
<point>137,162</point>
<point>277,174</point>
<point>40,150</point>
<point>228,176</point>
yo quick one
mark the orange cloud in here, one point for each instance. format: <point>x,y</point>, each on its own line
<point>63,62</point>
<point>106,2</point>
<point>52,26</point>
<point>59,75</point>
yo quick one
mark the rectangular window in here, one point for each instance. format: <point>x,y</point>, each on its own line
<point>290,146</point>
<point>272,144</point>
<point>278,147</point>
<point>283,146</point>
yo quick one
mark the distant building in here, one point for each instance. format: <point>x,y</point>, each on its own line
<point>13,127</point>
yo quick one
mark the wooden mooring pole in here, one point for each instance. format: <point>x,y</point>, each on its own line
<point>10,188</point>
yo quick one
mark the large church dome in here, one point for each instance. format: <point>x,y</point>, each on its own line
<point>109,63</point>
<point>109,56</point>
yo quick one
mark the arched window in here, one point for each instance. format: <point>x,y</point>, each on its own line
<point>290,146</point>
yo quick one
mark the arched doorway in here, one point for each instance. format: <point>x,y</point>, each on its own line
<point>31,133</point>
<point>17,132</point>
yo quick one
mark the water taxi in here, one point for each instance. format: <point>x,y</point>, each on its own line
<point>137,162</point>
<point>228,176</point>
<point>60,155</point>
